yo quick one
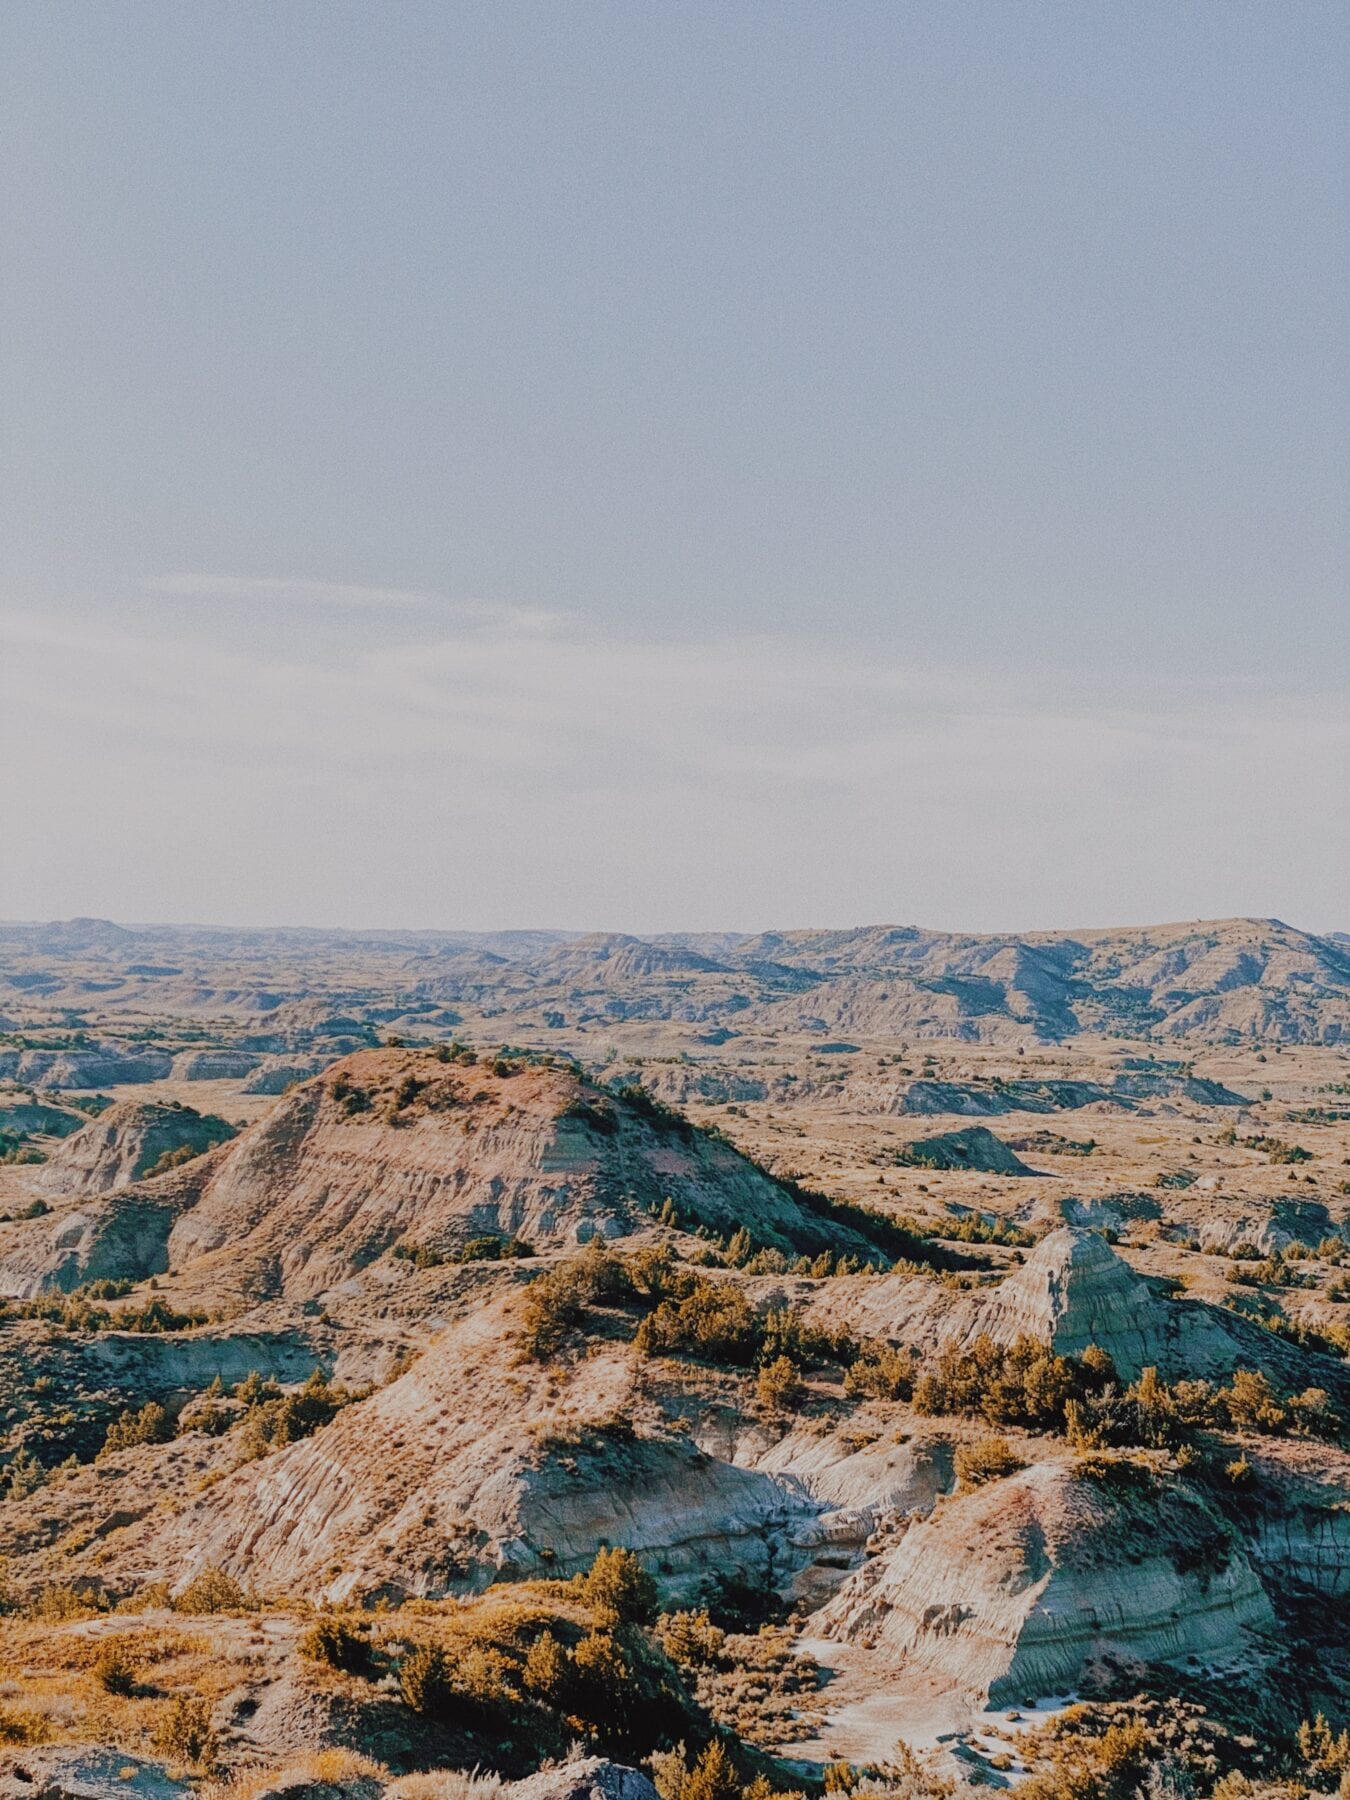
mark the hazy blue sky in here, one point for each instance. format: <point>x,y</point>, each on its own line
<point>655,466</point>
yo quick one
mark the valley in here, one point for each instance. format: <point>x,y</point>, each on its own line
<point>883,1360</point>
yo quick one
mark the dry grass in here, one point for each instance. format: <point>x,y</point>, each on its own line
<point>331,1768</point>
<point>447,1784</point>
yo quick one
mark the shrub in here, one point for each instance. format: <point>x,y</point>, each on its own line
<point>424,1679</point>
<point>557,1300</point>
<point>1324,1754</point>
<point>779,1387</point>
<point>56,1602</point>
<point>114,1670</point>
<point>712,1777</point>
<point>617,1583</point>
<point>545,1670</point>
<point>991,1459</point>
<point>1106,1768</point>
<point>713,1320</point>
<point>881,1373</point>
<point>275,1419</point>
<point>333,1641</point>
<point>171,1159</point>
<point>213,1591</point>
<point>19,1726</point>
<point>1023,1383</point>
<point>183,1734</point>
<point>691,1639</point>
<point>151,1425</point>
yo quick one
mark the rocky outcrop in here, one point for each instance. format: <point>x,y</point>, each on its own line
<point>587,1778</point>
<point>1145,1085</point>
<point>1284,1222</point>
<point>23,1118</point>
<point>127,1142</point>
<point>276,1074</point>
<point>396,1146</point>
<point>469,1468</point>
<point>122,1236</point>
<point>1074,1290</point>
<point>1009,1592</point>
<point>96,1068</point>
<point>922,1097</point>
<point>85,1772</point>
<point>1298,1520</point>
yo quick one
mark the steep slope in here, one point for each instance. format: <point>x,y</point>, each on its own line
<point>472,1467</point>
<point>396,1146</point>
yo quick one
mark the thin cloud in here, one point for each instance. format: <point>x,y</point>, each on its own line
<point>497,764</point>
<point>277,591</point>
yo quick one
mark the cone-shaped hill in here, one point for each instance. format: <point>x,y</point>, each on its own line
<point>401,1147</point>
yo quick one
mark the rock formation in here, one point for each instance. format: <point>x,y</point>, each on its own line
<point>125,1143</point>
<point>1010,1591</point>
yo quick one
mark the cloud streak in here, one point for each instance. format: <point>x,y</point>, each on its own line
<point>493,765</point>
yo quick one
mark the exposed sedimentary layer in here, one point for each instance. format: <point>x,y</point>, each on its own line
<point>1008,1592</point>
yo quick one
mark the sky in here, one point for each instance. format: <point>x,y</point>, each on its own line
<point>646,468</point>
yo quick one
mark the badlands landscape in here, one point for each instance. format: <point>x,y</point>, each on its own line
<point>877,1361</point>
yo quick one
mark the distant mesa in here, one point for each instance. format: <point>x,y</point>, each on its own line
<point>1225,981</point>
<point>80,1069</point>
<point>214,1065</point>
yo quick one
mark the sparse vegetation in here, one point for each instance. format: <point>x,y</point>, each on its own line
<point>991,1459</point>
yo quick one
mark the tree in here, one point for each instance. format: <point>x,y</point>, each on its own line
<point>779,1386</point>
<point>617,1583</point>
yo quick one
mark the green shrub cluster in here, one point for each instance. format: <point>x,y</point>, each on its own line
<point>559,1298</point>
<point>1153,1413</point>
<point>152,1424</point>
<point>991,1459</point>
<point>274,1419</point>
<point>492,1247</point>
<point>1023,1383</point>
<point>78,1311</point>
<point>336,1643</point>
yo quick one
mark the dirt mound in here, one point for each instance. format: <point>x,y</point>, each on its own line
<point>399,1147</point>
<point>128,1143</point>
<point>976,1147</point>
<point>1010,1591</point>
